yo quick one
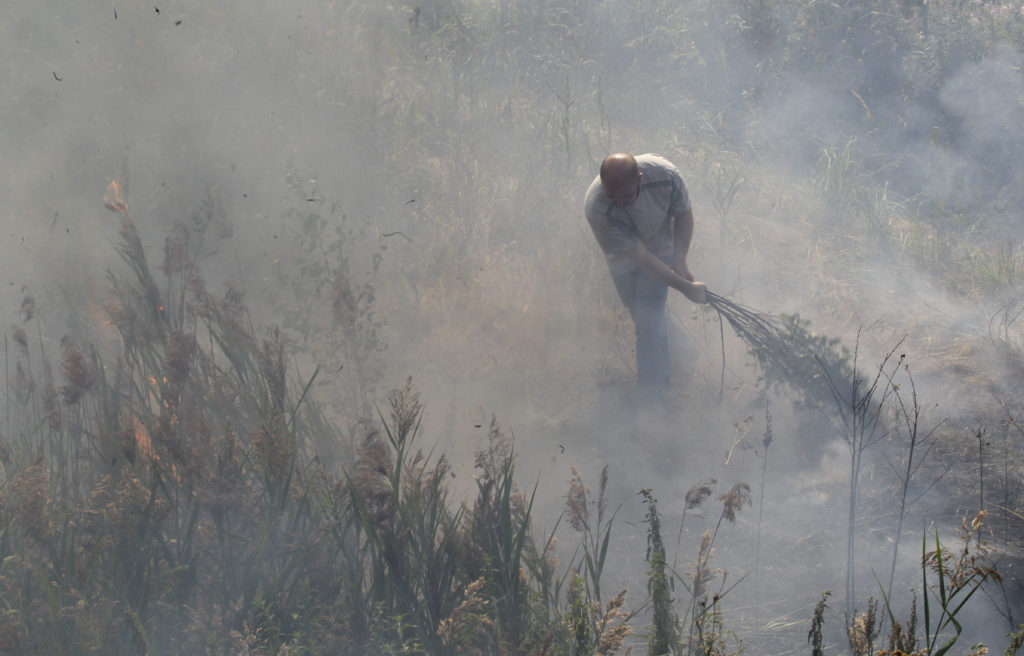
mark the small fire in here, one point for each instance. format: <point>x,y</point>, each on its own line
<point>142,441</point>
<point>144,446</point>
<point>113,200</point>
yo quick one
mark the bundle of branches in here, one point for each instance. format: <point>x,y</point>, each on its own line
<point>787,351</point>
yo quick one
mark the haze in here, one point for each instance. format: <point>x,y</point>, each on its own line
<point>433,157</point>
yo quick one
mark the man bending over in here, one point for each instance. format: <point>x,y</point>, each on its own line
<point>640,214</point>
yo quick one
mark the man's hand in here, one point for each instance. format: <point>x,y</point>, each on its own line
<point>695,291</point>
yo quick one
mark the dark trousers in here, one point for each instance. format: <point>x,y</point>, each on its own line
<point>645,299</point>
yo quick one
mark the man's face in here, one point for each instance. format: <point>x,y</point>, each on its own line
<point>623,191</point>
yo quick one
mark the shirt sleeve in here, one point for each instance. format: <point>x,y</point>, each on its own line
<point>680,200</point>
<point>614,237</point>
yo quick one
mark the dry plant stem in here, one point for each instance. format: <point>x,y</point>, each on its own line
<point>765,443</point>
<point>1006,482</point>
<point>858,414</point>
<point>721,378</point>
<point>7,388</point>
<point>979,434</point>
<point>909,416</point>
<point>694,497</point>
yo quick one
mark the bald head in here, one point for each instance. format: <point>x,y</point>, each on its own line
<point>620,177</point>
<point>618,167</point>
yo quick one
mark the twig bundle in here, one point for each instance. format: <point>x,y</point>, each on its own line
<point>760,331</point>
<point>785,350</point>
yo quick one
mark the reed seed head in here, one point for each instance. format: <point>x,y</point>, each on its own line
<point>611,638</point>
<point>699,492</point>
<point>76,372</point>
<point>178,353</point>
<point>468,623</point>
<point>20,338</point>
<point>175,250</point>
<point>863,631</point>
<point>28,306</point>
<point>734,500</point>
<point>576,501</point>
<point>405,410</point>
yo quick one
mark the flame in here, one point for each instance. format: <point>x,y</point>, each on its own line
<point>144,447</point>
<point>113,200</point>
<point>100,314</point>
<point>142,441</point>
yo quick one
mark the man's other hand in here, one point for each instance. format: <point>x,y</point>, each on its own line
<point>679,266</point>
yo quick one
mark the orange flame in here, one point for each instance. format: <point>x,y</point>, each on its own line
<point>113,200</point>
<point>142,441</point>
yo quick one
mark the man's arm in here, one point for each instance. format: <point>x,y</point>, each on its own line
<point>654,267</point>
<point>682,233</point>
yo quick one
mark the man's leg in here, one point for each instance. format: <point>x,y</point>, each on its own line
<point>645,299</point>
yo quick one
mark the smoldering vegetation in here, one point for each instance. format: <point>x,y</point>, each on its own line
<point>234,231</point>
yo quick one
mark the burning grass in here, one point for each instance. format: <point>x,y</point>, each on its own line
<point>183,501</point>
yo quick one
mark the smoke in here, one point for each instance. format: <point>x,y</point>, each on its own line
<point>984,100</point>
<point>437,159</point>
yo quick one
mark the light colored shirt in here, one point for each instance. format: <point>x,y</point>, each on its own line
<point>648,217</point>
